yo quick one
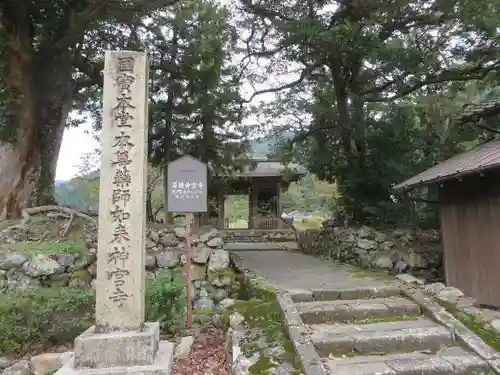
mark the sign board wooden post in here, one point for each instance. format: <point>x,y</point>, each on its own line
<point>187,193</point>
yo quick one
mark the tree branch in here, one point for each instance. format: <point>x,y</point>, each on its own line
<point>304,74</point>
<point>459,74</point>
<point>100,10</point>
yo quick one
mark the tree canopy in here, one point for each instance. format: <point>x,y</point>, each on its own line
<point>367,93</point>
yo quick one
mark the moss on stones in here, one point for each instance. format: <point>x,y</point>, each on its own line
<point>81,275</point>
<point>401,318</point>
<point>266,335</point>
<point>260,288</point>
<point>58,280</point>
<point>359,273</point>
<point>489,335</point>
<point>66,246</point>
<point>221,278</point>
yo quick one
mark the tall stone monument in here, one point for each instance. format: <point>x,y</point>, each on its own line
<point>121,342</point>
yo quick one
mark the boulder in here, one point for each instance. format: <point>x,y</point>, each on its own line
<point>5,362</point>
<point>215,243</point>
<point>181,232</point>
<point>200,254</point>
<point>450,294</point>
<point>380,237</point>
<point>184,347</point>
<point>58,280</point>
<point>169,258</point>
<point>19,368</point>
<point>365,244</point>
<point>495,323</point>
<point>150,262</point>
<point>236,320</point>
<point>219,294</point>
<point>17,280</point>
<point>65,260</point>
<point>383,261</point>
<point>204,303</point>
<point>228,302</point>
<point>84,260</point>
<point>198,272</point>
<point>169,240</point>
<point>417,261</point>
<point>92,269</point>
<point>387,245</point>
<point>49,362</point>
<point>366,232</point>
<point>80,278</point>
<point>434,288</point>
<point>218,261</point>
<point>12,260</point>
<point>210,234</point>
<point>41,265</point>
<point>400,267</point>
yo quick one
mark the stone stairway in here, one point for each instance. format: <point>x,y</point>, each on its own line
<point>375,331</point>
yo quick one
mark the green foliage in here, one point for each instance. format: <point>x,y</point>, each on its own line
<point>479,327</point>
<point>66,246</point>
<point>166,299</point>
<point>385,91</point>
<point>42,317</point>
<point>197,108</point>
<point>236,208</point>
<point>309,194</point>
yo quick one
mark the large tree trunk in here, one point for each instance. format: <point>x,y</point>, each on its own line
<point>28,163</point>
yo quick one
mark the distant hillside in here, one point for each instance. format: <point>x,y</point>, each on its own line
<point>263,146</point>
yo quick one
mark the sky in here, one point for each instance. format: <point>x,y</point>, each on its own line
<point>75,143</point>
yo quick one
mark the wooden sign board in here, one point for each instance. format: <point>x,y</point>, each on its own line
<point>187,185</point>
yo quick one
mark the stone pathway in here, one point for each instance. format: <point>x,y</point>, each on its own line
<point>293,270</point>
<point>343,325</point>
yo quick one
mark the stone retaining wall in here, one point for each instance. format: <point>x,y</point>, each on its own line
<point>212,277</point>
<point>258,235</point>
<point>397,251</point>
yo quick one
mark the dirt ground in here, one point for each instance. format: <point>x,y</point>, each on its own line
<point>207,355</point>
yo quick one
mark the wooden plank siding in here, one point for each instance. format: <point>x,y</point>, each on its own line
<point>470,220</point>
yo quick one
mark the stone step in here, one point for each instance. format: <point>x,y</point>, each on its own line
<point>448,361</point>
<point>341,311</point>
<point>387,337</point>
<point>260,246</point>
<point>345,293</point>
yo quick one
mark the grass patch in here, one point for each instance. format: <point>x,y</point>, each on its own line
<point>37,319</point>
<point>356,354</point>
<point>4,224</point>
<point>66,246</point>
<point>358,273</point>
<point>265,318</point>
<point>402,318</point>
<point>490,336</point>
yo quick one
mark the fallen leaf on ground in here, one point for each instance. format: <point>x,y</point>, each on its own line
<point>207,356</point>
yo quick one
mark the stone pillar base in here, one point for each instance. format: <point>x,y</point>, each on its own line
<point>115,353</point>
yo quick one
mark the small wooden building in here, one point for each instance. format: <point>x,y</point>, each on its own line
<point>469,201</point>
<point>263,183</point>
